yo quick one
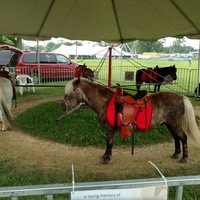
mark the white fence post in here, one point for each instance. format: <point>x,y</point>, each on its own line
<point>49,197</point>
<point>179,193</point>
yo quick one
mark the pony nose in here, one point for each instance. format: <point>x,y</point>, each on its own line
<point>63,106</point>
<point>175,77</point>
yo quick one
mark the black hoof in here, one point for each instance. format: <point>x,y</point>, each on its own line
<point>174,156</point>
<point>105,160</point>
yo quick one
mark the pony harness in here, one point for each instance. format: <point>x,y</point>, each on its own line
<point>150,75</point>
<point>79,70</point>
<point>125,110</point>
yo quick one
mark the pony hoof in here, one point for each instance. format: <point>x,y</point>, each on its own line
<point>104,162</point>
<point>174,156</point>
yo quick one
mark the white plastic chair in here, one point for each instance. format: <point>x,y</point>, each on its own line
<point>25,80</point>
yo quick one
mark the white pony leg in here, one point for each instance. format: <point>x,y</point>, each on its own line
<point>4,126</point>
<point>1,117</point>
<point>3,121</point>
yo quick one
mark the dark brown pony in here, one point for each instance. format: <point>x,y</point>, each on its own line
<point>155,76</point>
<point>84,71</point>
<point>169,108</point>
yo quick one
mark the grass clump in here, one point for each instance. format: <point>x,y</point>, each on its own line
<point>81,128</point>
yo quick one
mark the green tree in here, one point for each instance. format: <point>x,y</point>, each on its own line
<point>17,42</point>
<point>177,45</point>
<point>146,46</point>
<point>50,46</point>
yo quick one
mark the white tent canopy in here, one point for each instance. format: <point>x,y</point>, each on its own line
<point>89,50</point>
<point>116,21</point>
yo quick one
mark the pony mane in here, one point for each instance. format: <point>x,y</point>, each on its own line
<point>70,85</point>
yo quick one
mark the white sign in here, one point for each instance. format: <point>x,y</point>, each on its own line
<point>154,192</point>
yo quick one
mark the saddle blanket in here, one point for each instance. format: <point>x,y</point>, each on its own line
<point>142,122</point>
<point>150,75</point>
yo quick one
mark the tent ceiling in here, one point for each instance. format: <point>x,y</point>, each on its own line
<point>117,21</point>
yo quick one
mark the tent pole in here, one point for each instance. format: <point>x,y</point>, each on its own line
<point>110,67</point>
<point>198,71</point>
<point>38,59</point>
<point>121,64</point>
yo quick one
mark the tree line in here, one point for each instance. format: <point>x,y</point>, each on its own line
<point>135,47</point>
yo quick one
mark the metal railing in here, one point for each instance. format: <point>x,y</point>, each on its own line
<point>187,79</point>
<point>52,189</point>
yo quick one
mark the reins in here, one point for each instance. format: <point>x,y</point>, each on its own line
<point>69,112</point>
<point>69,106</point>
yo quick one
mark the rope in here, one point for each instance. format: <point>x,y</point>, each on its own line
<point>146,122</point>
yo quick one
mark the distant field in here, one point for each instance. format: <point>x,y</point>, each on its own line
<point>187,75</point>
<point>137,62</point>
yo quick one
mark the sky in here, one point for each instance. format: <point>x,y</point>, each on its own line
<point>169,41</point>
<point>189,42</point>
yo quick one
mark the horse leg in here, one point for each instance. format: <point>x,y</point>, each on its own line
<point>185,149</point>
<point>183,139</point>
<point>177,147</point>
<point>138,85</point>
<point>138,80</point>
<point>179,136</point>
<point>159,87</point>
<point>109,144</point>
<point>3,121</point>
<point>4,128</point>
<point>155,86</point>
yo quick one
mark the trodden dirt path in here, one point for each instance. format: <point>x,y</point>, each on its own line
<point>34,152</point>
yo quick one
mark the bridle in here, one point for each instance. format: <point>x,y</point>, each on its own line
<point>69,105</point>
<point>75,100</point>
<point>173,73</point>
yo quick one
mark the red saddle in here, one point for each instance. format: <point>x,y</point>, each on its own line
<point>136,112</point>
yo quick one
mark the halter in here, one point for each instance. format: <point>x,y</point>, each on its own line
<point>172,74</point>
<point>70,108</point>
<point>77,99</point>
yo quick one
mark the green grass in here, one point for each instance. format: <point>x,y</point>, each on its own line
<point>15,174</point>
<point>81,128</point>
<point>41,93</point>
<point>138,62</point>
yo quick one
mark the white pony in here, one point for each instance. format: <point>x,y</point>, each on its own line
<point>6,95</point>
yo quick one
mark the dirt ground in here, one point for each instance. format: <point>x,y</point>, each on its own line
<point>34,152</point>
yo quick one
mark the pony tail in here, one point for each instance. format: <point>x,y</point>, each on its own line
<point>8,115</point>
<point>189,124</point>
<point>5,111</point>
